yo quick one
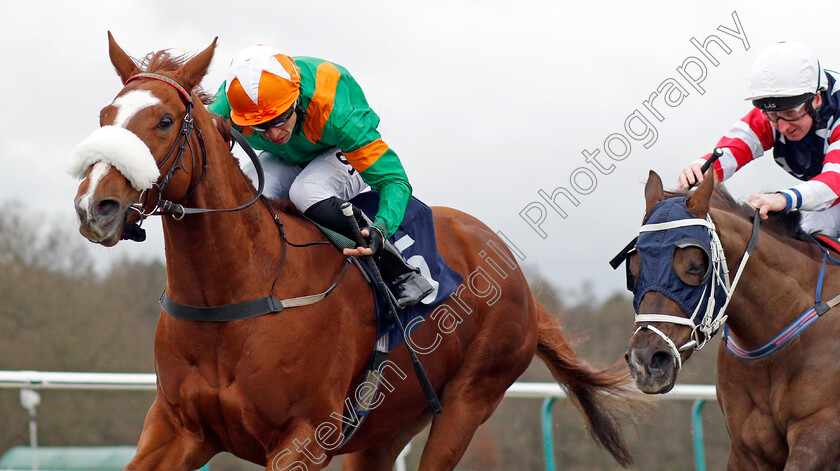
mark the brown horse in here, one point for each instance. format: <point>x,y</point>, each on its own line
<point>779,391</point>
<point>271,389</point>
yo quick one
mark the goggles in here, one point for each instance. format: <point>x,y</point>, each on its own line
<point>275,122</point>
<point>791,114</point>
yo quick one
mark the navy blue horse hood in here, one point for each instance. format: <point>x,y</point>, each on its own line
<point>656,251</point>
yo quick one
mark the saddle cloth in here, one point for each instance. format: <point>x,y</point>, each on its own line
<point>415,238</point>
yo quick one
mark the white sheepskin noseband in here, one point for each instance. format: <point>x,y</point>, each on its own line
<point>122,149</point>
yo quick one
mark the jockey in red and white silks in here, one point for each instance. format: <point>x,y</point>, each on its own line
<point>796,114</point>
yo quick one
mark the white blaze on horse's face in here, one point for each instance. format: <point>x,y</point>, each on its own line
<point>99,170</point>
<point>131,103</point>
<point>117,146</point>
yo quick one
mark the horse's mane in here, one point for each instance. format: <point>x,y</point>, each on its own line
<point>778,223</point>
<point>164,61</point>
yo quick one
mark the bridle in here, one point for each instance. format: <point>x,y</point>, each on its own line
<point>182,141</point>
<point>177,210</point>
<point>708,315</point>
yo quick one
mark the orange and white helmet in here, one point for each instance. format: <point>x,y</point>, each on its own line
<point>262,83</point>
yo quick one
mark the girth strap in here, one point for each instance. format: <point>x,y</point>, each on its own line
<point>224,313</point>
<point>243,310</point>
<point>373,380</point>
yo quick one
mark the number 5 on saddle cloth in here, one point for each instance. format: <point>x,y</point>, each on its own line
<point>415,238</point>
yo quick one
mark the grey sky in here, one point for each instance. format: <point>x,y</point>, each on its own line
<point>486,102</point>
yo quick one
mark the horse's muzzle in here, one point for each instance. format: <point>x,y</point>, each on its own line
<point>101,221</point>
<point>653,369</point>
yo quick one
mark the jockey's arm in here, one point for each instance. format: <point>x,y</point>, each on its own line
<point>822,191</point>
<point>359,251</point>
<point>747,140</point>
<point>766,202</point>
<point>691,174</point>
<point>379,166</point>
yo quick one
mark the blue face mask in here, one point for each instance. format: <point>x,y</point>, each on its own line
<point>656,257</point>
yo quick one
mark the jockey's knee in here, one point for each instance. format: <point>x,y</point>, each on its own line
<point>328,214</point>
<point>824,222</point>
<point>305,194</point>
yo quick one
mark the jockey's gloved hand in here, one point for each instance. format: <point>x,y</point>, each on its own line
<point>375,239</point>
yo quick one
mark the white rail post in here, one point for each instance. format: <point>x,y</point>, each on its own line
<point>30,399</point>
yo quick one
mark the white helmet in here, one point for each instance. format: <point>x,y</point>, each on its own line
<point>785,75</point>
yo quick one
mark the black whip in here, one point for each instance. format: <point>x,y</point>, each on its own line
<point>425,383</point>
<point>716,154</point>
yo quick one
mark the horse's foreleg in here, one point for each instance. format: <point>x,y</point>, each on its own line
<point>164,444</point>
<point>740,460</point>
<point>298,451</point>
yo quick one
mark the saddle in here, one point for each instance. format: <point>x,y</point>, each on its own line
<point>415,238</point>
<point>827,242</point>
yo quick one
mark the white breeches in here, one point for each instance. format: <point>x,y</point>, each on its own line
<point>326,176</point>
<point>826,221</point>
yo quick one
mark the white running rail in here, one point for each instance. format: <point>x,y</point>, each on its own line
<point>32,380</point>
<point>146,381</point>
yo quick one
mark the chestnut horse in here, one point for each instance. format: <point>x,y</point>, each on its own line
<point>271,389</point>
<point>778,381</point>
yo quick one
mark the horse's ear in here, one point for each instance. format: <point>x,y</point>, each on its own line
<point>123,64</point>
<point>698,203</point>
<point>654,192</point>
<point>193,71</point>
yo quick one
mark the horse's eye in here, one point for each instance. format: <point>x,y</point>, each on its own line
<point>165,123</point>
<point>632,265</point>
<point>691,264</point>
<point>696,268</point>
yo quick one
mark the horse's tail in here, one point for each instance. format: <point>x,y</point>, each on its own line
<point>603,396</point>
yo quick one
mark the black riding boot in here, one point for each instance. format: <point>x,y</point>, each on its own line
<point>404,280</point>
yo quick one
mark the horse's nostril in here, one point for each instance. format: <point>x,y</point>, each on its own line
<point>659,361</point>
<point>106,208</point>
<point>81,213</point>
